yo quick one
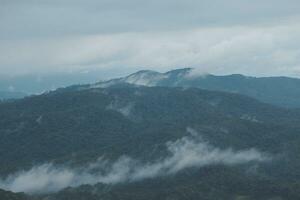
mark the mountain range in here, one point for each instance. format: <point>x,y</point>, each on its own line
<point>149,136</point>
<point>281,91</point>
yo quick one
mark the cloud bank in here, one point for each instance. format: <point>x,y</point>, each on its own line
<point>187,152</point>
<point>216,36</point>
<point>258,50</point>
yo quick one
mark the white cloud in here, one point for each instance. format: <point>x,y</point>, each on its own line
<point>216,36</point>
<point>184,153</point>
<point>255,50</point>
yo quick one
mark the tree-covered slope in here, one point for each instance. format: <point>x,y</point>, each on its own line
<point>281,91</point>
<point>6,195</point>
<point>75,126</point>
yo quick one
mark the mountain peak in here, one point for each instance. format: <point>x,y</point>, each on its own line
<point>180,71</point>
<point>144,77</point>
<point>145,72</point>
<point>186,69</point>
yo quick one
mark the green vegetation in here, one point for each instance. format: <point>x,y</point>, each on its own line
<point>280,91</point>
<point>6,195</point>
<point>74,126</point>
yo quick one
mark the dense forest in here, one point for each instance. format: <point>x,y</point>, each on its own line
<point>251,148</point>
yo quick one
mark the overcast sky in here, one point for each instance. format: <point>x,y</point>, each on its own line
<point>252,37</point>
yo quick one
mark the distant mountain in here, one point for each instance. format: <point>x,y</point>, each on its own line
<point>129,142</point>
<point>23,85</point>
<point>281,91</point>
<point>4,95</point>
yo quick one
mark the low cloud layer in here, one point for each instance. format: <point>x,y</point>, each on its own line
<point>187,152</point>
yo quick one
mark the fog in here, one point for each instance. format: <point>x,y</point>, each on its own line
<point>188,152</point>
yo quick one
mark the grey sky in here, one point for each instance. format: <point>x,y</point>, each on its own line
<point>254,37</point>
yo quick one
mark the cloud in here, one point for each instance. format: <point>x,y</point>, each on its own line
<point>188,152</point>
<point>43,178</point>
<point>232,36</point>
<point>259,51</point>
<point>77,17</point>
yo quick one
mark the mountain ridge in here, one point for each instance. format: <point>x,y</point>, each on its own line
<point>70,128</point>
<point>280,91</point>
<point>73,128</point>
